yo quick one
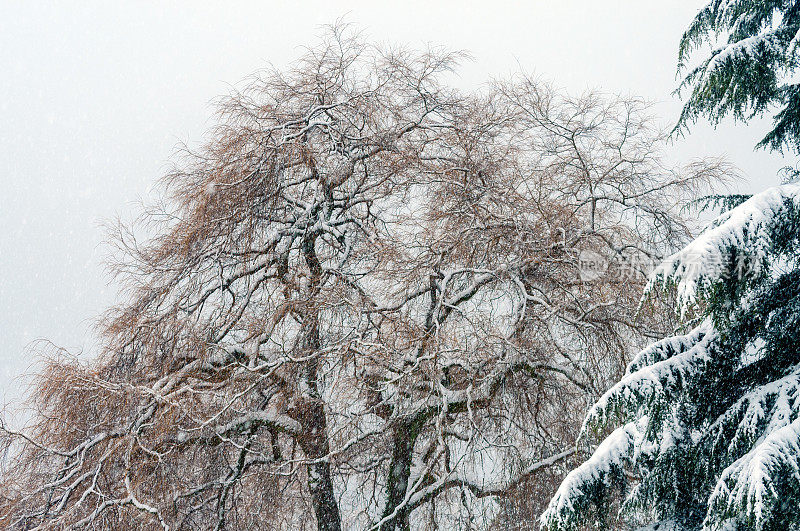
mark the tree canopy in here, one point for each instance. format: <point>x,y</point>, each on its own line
<point>364,306</point>
<point>706,422</point>
<point>750,68</point>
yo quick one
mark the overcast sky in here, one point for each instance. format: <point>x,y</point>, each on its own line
<point>95,95</point>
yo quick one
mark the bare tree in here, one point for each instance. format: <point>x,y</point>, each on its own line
<point>367,300</point>
<point>514,331</point>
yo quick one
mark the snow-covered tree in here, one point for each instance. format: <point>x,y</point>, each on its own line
<point>362,307</point>
<point>750,68</point>
<point>707,423</point>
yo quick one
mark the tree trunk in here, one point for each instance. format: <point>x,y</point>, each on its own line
<point>325,506</point>
<point>314,443</point>
<point>311,412</point>
<point>405,437</point>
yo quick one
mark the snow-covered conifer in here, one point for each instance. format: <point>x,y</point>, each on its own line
<point>709,421</point>
<point>750,68</point>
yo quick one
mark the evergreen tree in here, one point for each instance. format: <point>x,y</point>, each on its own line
<point>754,53</point>
<point>709,421</point>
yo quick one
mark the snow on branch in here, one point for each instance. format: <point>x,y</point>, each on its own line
<point>601,470</point>
<point>639,389</point>
<point>750,489</point>
<point>763,410</point>
<point>746,228</point>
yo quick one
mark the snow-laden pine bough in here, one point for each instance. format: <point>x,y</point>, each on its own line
<point>363,308</point>
<point>739,58</point>
<point>709,421</point>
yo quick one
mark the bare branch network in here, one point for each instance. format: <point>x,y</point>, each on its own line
<point>362,308</point>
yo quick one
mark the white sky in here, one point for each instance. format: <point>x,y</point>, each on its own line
<point>95,95</point>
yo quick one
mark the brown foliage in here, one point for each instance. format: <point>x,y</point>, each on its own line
<point>364,307</point>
